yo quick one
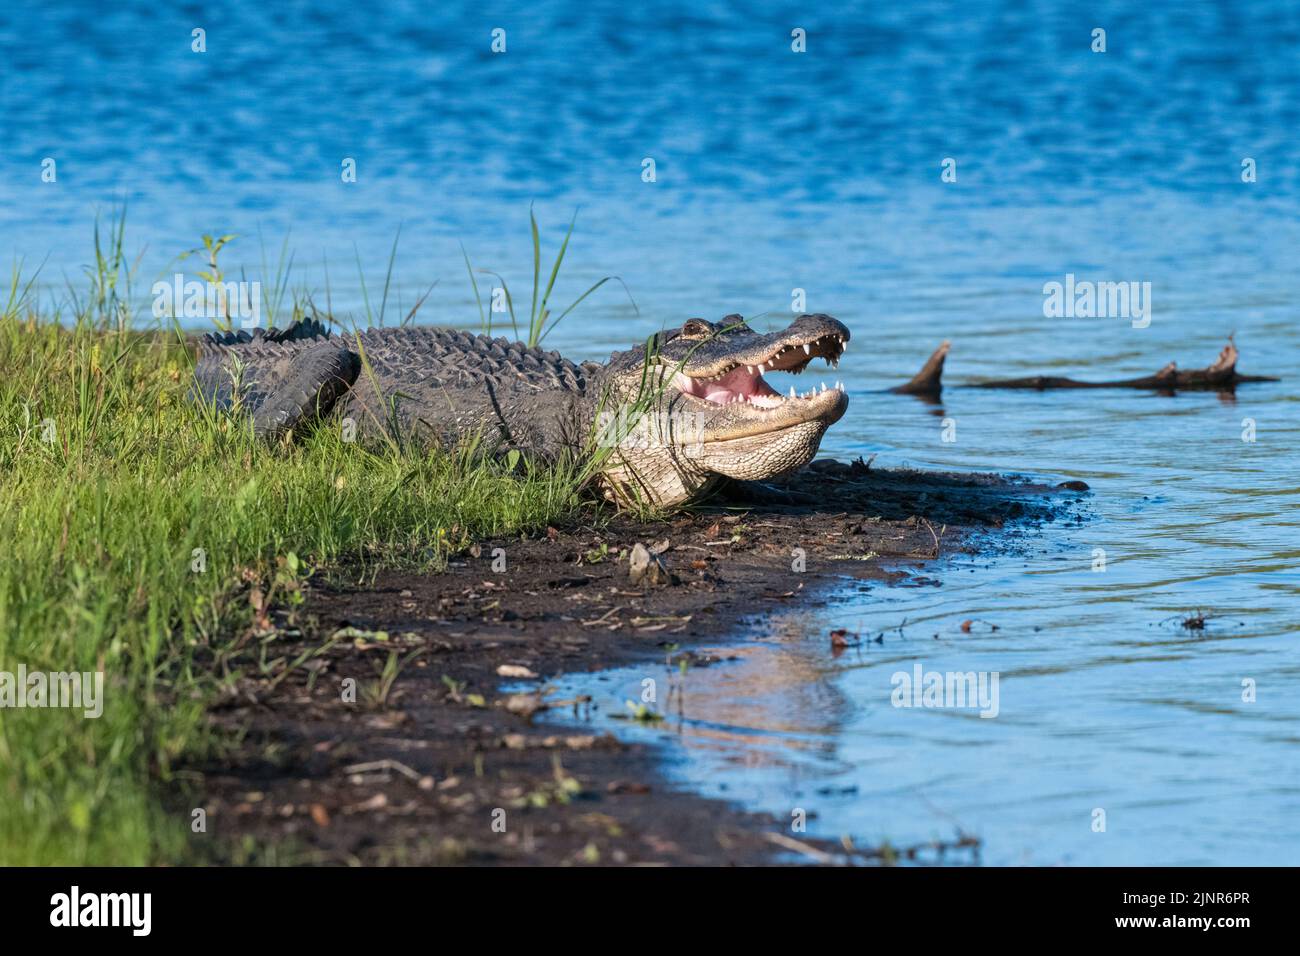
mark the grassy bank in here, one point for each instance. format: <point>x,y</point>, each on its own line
<point>143,538</point>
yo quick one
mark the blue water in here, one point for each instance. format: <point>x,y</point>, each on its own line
<point>817,171</point>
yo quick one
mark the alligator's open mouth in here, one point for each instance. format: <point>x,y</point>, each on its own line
<point>742,383</point>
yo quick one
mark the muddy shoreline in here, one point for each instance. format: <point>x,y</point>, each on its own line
<point>430,762</point>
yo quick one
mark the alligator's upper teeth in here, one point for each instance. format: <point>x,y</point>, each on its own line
<point>807,349</point>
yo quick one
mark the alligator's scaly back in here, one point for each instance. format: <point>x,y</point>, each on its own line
<point>441,383</point>
<point>451,383</point>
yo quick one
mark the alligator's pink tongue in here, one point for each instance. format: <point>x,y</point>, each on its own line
<point>737,385</point>
<point>719,393</point>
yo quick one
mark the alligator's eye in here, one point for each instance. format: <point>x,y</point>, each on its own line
<point>696,329</point>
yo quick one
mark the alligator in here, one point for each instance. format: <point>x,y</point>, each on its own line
<point>663,423</point>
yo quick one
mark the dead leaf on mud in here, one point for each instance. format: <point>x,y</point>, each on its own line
<point>377,802</point>
<point>261,611</point>
<point>627,786</point>
<point>646,569</point>
<point>658,844</point>
<point>387,721</point>
<point>517,671</point>
<point>320,815</point>
<point>525,705</point>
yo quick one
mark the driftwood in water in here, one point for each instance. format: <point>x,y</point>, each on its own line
<point>1221,376</point>
<point>928,381</point>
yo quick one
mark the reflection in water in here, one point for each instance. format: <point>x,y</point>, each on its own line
<point>763,708</point>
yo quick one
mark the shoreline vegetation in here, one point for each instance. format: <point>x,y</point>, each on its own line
<point>144,538</point>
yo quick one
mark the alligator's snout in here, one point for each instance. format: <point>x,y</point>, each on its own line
<point>719,414</point>
<point>725,366</point>
<point>736,375</point>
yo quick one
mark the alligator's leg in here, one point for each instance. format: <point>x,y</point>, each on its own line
<point>312,382</point>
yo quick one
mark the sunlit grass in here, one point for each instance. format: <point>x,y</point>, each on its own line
<point>133,524</point>
<point>539,308</point>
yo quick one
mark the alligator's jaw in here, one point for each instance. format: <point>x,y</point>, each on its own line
<point>719,417</point>
<point>736,403</point>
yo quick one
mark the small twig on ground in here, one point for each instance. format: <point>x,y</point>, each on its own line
<point>374,766</point>
<point>807,849</point>
<point>936,537</point>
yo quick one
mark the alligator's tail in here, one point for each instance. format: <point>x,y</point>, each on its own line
<point>282,377</point>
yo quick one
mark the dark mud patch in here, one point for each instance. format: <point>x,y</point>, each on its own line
<point>428,760</point>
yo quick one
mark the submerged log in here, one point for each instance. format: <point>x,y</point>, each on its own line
<point>928,381</point>
<point>1220,376</point>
